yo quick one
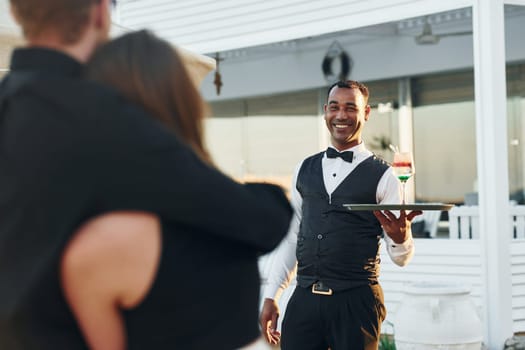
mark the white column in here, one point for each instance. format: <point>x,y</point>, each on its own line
<point>406,129</point>
<point>491,141</point>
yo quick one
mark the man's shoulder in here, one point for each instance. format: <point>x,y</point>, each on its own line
<point>379,161</point>
<point>82,99</point>
<point>58,90</point>
<point>309,162</point>
<point>374,165</point>
<point>74,107</point>
<point>77,92</point>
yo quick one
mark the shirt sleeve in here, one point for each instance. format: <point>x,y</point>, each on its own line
<point>284,260</point>
<point>388,192</point>
<point>143,166</point>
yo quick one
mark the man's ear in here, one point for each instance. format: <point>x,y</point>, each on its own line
<point>101,14</point>
<point>367,112</point>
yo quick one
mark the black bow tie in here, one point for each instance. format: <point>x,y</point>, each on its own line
<point>347,156</point>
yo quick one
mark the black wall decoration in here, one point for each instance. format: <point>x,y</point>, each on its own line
<point>336,53</point>
<point>218,78</point>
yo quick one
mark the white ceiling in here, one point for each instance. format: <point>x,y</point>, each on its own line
<point>182,21</point>
<point>445,24</point>
<point>209,26</point>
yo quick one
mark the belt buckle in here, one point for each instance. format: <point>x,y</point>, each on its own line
<point>320,288</point>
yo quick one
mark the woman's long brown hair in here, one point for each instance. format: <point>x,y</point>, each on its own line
<point>148,71</point>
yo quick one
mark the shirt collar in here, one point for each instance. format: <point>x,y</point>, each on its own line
<point>360,148</point>
<point>45,60</point>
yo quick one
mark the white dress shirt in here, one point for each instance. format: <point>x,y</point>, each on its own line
<point>335,170</point>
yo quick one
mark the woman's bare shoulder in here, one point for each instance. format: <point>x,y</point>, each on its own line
<point>115,255</point>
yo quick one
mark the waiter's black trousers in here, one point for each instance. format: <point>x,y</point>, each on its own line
<point>347,320</point>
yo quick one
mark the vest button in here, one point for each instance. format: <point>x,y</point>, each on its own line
<point>319,236</point>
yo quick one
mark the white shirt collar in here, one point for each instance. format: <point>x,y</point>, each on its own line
<point>360,148</point>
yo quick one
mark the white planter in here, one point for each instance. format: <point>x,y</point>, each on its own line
<point>437,316</point>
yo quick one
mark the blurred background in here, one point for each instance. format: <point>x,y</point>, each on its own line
<point>275,60</point>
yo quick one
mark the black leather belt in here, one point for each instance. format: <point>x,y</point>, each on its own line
<point>320,288</point>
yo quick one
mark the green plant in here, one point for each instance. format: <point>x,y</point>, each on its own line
<point>386,339</point>
<point>386,342</point>
<point>381,142</point>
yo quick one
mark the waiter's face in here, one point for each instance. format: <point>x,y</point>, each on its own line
<point>345,114</point>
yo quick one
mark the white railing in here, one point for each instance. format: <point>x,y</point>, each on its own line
<point>464,222</point>
<point>434,261</point>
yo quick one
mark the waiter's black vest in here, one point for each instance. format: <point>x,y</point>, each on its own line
<point>335,245</point>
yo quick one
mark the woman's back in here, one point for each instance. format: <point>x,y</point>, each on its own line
<point>205,296</point>
<point>178,289</point>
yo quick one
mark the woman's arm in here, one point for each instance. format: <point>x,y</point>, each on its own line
<point>110,265</point>
<point>142,166</point>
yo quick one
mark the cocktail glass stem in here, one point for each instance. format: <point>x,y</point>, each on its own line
<point>403,193</point>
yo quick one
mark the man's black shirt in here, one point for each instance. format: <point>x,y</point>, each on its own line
<point>71,149</point>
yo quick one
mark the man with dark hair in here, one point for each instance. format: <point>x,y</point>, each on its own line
<point>338,302</point>
<point>72,150</point>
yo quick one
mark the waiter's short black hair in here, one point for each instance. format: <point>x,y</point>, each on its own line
<point>350,84</point>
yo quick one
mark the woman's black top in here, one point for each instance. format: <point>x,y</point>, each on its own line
<point>205,296</point>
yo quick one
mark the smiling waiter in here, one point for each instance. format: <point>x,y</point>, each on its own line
<point>338,302</point>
